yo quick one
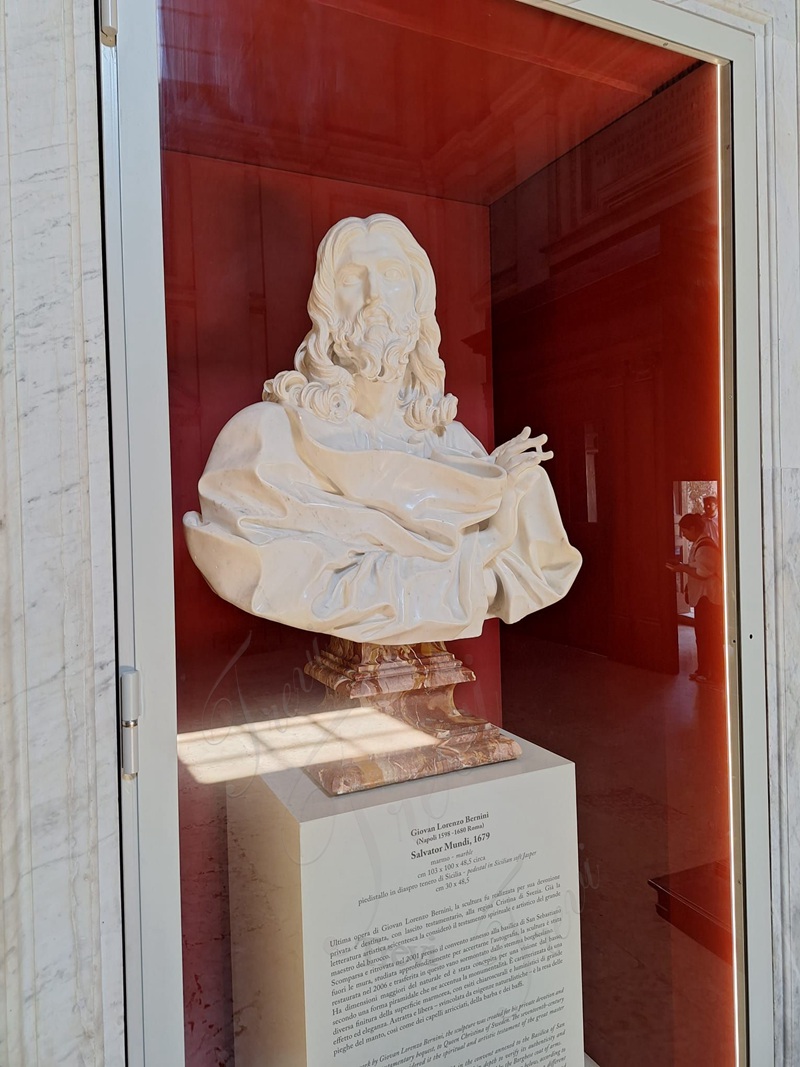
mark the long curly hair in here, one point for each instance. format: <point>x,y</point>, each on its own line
<point>321,384</point>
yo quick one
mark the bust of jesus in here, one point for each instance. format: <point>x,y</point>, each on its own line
<point>349,501</point>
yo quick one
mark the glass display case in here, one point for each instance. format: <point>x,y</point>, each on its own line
<point>565,181</point>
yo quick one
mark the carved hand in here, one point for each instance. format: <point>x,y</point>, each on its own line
<point>522,450</point>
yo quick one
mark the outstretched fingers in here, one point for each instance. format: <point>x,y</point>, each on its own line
<point>527,459</point>
<point>522,449</point>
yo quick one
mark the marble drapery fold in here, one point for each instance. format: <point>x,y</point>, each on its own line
<point>343,529</point>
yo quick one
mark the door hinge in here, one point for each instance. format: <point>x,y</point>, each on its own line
<point>108,22</point>
<point>130,709</point>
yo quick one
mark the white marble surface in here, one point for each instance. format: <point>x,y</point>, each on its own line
<point>783,642</point>
<point>350,502</point>
<point>60,928</point>
<point>780,404</point>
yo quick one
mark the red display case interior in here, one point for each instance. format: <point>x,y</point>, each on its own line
<point>564,181</point>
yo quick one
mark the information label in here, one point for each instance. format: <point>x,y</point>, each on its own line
<point>444,929</point>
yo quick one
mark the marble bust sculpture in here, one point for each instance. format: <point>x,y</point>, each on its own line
<point>349,501</point>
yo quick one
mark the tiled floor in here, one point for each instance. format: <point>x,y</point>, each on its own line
<point>651,768</point>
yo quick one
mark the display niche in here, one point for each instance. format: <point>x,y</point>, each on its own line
<point>564,181</point>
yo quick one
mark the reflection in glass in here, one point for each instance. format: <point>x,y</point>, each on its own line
<point>564,182</point>
<point>606,305</point>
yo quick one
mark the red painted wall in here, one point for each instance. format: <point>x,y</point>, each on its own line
<point>278,119</point>
<point>240,245</point>
<point>606,287</point>
<point>606,324</point>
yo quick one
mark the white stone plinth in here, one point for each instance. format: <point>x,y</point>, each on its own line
<point>434,921</point>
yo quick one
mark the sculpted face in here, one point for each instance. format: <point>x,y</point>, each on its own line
<point>373,271</point>
<point>374,303</point>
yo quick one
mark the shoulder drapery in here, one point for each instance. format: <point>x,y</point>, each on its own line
<point>302,524</point>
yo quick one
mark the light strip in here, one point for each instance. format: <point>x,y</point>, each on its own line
<point>233,753</point>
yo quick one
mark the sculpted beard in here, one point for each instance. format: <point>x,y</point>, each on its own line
<point>377,343</point>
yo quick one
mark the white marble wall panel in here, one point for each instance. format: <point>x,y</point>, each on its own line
<point>781,403</point>
<point>783,625</point>
<point>60,926</point>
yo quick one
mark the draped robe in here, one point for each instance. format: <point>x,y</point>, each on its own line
<point>338,528</point>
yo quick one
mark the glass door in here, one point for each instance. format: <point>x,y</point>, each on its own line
<point>568,186</point>
<point>565,182</point>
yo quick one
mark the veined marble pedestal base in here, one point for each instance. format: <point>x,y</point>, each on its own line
<point>430,922</point>
<point>413,683</point>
